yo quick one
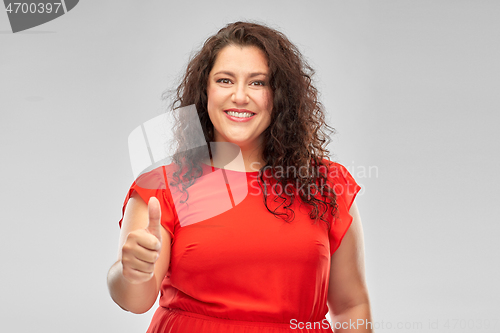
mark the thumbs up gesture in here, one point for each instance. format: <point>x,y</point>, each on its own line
<point>142,247</point>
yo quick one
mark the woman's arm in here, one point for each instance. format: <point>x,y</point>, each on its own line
<point>347,293</point>
<point>137,290</point>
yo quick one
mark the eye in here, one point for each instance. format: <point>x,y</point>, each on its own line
<point>258,83</point>
<point>226,81</point>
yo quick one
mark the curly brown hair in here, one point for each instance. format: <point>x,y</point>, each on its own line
<point>295,139</point>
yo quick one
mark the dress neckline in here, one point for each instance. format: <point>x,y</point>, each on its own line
<point>216,168</point>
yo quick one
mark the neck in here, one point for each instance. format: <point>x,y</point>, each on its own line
<point>232,157</point>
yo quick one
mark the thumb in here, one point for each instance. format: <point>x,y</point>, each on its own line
<point>154,212</point>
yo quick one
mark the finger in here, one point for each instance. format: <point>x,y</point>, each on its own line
<point>134,276</point>
<point>139,265</point>
<point>154,212</point>
<point>146,255</point>
<point>144,239</point>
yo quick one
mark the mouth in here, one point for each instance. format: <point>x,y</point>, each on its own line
<point>239,113</point>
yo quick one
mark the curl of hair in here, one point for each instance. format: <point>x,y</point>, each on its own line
<point>297,136</point>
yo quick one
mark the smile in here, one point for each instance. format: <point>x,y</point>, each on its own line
<point>239,116</point>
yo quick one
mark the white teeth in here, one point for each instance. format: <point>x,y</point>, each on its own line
<point>240,114</point>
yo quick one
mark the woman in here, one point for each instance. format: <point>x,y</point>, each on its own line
<point>272,262</point>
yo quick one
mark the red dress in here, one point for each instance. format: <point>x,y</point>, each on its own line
<point>246,270</point>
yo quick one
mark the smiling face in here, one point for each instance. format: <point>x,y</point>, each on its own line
<point>239,96</point>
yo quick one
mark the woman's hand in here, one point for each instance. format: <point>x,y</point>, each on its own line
<point>142,247</point>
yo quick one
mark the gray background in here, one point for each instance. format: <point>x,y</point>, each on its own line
<point>412,88</point>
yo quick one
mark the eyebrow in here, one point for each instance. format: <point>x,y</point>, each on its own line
<point>232,74</point>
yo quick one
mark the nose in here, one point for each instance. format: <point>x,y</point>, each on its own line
<point>240,94</point>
